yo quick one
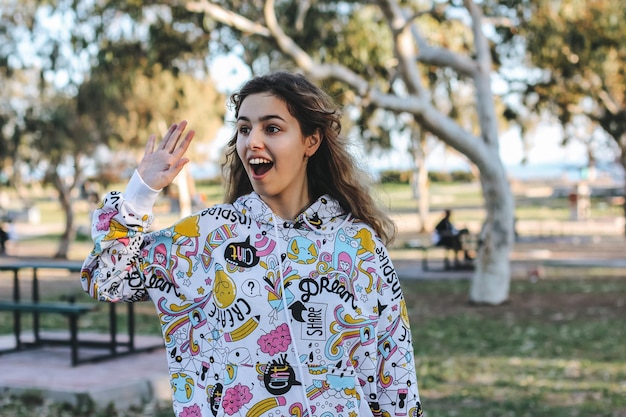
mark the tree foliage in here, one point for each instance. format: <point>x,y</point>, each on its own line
<point>83,74</point>
<point>575,56</point>
<point>578,52</point>
<point>151,76</point>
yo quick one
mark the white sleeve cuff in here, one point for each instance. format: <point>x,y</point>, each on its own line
<point>139,195</point>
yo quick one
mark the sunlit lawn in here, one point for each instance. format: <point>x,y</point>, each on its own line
<point>467,203</point>
<point>557,349</point>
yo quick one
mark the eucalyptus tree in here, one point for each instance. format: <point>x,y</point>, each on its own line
<point>61,141</point>
<point>89,73</point>
<point>40,124</point>
<point>14,156</point>
<point>394,68</point>
<point>19,90</point>
<point>576,52</point>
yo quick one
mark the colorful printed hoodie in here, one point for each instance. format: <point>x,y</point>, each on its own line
<point>262,316</point>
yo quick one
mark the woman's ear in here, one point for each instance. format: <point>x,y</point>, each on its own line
<point>312,143</point>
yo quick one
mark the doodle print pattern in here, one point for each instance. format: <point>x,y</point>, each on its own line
<point>309,320</point>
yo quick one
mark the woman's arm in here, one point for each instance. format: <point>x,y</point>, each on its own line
<point>113,270</point>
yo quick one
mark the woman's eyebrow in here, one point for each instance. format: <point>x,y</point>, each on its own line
<point>271,116</point>
<point>262,118</point>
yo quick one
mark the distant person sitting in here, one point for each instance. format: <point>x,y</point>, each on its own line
<point>450,237</point>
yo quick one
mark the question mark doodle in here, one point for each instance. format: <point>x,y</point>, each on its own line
<point>252,288</point>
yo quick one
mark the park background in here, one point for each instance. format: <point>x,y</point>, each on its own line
<point>439,105</point>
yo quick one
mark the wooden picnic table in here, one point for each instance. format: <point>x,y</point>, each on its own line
<point>18,305</point>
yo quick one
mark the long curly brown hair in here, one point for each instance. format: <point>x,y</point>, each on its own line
<point>331,170</point>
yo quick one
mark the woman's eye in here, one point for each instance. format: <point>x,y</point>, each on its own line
<point>244,130</point>
<point>272,129</point>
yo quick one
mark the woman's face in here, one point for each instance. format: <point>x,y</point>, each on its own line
<point>274,153</point>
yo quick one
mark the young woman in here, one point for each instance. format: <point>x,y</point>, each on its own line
<point>283,300</point>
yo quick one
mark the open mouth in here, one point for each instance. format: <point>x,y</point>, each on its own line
<point>260,165</point>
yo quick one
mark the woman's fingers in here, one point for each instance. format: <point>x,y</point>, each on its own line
<point>150,144</point>
<point>179,151</point>
<point>165,142</point>
<point>184,144</point>
<point>171,138</point>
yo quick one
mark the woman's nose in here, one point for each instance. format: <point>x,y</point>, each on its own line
<point>255,139</point>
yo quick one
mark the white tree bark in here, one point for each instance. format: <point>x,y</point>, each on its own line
<point>419,182</point>
<point>491,279</point>
<point>183,181</point>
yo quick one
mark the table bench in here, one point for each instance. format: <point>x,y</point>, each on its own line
<point>425,249</point>
<point>71,310</point>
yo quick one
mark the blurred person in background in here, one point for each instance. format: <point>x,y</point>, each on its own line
<point>449,237</point>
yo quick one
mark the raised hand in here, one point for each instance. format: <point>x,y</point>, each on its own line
<point>159,166</point>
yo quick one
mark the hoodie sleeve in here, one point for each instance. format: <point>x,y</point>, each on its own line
<point>396,381</point>
<point>112,271</point>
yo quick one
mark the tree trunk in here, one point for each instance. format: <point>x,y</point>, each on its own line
<point>66,204</point>
<point>184,181</point>
<point>421,191</point>
<point>492,275</point>
<point>491,281</point>
<point>17,182</point>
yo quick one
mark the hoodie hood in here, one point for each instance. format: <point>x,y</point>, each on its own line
<point>324,216</point>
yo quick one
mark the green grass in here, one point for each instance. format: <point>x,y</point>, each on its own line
<point>536,356</point>
<point>32,404</point>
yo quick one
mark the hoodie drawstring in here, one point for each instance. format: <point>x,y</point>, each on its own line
<point>291,332</point>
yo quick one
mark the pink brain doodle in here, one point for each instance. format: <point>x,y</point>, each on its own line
<point>275,341</point>
<point>104,220</point>
<point>235,398</point>
<point>193,411</point>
